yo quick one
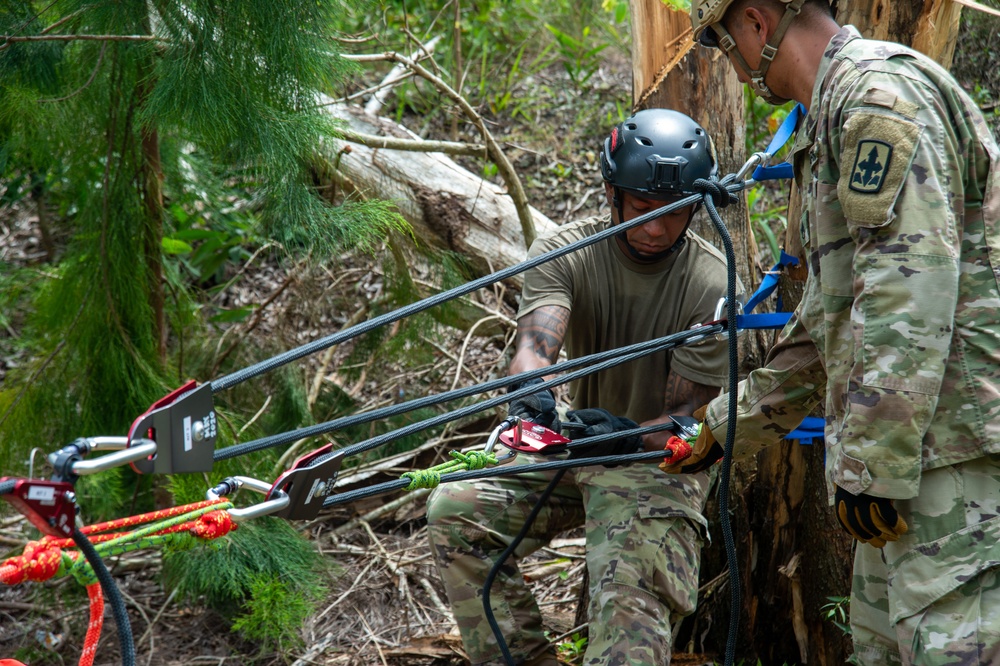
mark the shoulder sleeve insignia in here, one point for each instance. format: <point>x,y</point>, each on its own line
<point>876,151</point>
<point>871,163</point>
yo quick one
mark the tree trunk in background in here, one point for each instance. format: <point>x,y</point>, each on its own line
<point>930,26</point>
<point>670,71</point>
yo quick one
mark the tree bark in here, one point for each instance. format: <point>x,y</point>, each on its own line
<point>447,206</point>
<point>929,26</point>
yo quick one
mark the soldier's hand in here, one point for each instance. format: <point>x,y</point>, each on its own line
<point>537,407</point>
<point>869,519</point>
<point>696,457</point>
<point>582,423</point>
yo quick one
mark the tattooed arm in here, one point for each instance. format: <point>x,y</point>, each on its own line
<point>680,397</point>
<point>540,335</point>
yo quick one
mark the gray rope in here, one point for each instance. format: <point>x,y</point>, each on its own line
<point>364,327</point>
<point>642,348</point>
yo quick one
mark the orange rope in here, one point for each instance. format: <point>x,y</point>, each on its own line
<point>95,625</point>
<point>41,559</point>
<point>162,514</point>
<point>39,562</point>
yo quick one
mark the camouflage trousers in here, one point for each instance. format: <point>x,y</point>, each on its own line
<point>933,597</point>
<point>643,540</point>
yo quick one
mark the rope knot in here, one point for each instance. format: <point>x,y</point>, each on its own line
<point>39,562</point>
<point>720,196</point>
<point>213,525</point>
<point>474,460</point>
<point>422,478</point>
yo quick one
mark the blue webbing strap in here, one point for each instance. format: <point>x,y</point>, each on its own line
<point>812,426</point>
<point>781,137</point>
<point>766,288</point>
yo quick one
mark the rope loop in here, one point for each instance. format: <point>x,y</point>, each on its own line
<point>720,196</point>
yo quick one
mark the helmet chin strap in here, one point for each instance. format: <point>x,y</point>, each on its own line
<point>767,54</point>
<point>635,254</point>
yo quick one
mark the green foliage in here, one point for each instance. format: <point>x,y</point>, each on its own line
<point>678,5</point>
<point>262,561</point>
<point>274,614</point>
<point>572,649</point>
<point>166,160</point>
<point>767,219</point>
<point>580,59</point>
<point>976,63</point>
<point>502,45</point>
<point>837,612</point>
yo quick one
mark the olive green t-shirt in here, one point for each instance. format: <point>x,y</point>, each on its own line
<point>615,301</point>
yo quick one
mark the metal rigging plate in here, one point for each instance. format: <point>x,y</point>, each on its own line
<point>310,478</point>
<point>183,425</point>
<point>48,505</point>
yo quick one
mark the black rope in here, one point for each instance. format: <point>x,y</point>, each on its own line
<point>329,341</point>
<point>112,594</point>
<point>502,470</point>
<point>636,350</point>
<point>7,487</point>
<point>717,194</point>
<point>529,521</point>
<point>669,342</point>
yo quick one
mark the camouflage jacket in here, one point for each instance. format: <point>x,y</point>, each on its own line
<point>898,331</point>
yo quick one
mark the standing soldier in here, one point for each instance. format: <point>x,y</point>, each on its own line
<point>643,527</point>
<point>899,327</point>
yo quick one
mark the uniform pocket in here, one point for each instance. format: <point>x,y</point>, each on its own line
<point>906,335</point>
<point>661,556</point>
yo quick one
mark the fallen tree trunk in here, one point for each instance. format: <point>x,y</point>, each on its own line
<point>447,206</point>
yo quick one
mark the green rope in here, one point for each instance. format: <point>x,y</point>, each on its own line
<point>140,539</point>
<point>460,462</point>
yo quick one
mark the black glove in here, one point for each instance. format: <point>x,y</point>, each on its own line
<point>869,519</point>
<point>538,407</point>
<point>582,423</point>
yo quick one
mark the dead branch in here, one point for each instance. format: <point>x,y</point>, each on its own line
<point>448,147</point>
<point>395,75</point>
<point>506,169</point>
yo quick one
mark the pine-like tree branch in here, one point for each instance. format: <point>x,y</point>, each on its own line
<point>70,38</point>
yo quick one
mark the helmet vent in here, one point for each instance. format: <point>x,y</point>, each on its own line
<point>632,126</point>
<point>688,145</point>
<point>646,141</point>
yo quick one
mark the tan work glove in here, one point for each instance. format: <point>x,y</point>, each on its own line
<point>697,458</point>
<point>869,519</point>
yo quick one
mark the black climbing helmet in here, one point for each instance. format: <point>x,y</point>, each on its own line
<point>658,153</point>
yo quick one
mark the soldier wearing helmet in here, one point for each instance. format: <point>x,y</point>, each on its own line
<point>644,528</point>
<point>898,331</point>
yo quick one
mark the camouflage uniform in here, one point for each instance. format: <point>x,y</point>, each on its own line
<point>644,528</point>
<point>899,332</point>
<point>643,542</point>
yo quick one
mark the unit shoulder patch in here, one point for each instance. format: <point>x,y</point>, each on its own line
<point>871,164</point>
<point>876,151</point>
